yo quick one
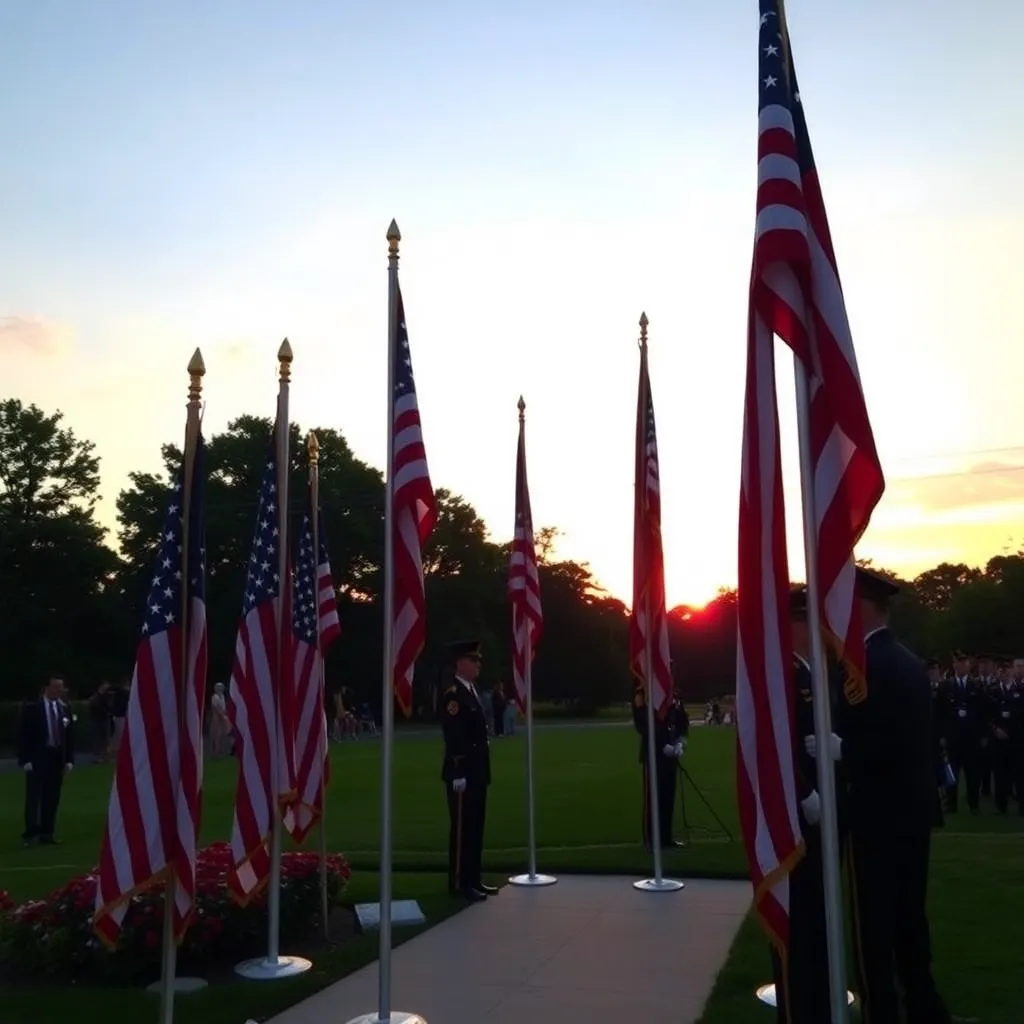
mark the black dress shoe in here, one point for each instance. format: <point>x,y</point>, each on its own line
<point>487,890</point>
<point>673,844</point>
<point>48,841</point>
<point>474,895</point>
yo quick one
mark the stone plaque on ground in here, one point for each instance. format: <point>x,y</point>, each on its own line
<point>402,912</point>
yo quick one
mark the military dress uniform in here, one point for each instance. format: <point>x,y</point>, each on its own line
<point>466,773</point>
<point>670,731</point>
<point>1016,736</point>
<point>889,756</point>
<point>966,712</point>
<point>1001,701</point>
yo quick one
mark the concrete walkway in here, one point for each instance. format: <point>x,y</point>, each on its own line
<point>589,948</point>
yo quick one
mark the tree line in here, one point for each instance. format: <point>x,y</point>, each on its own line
<point>71,602</point>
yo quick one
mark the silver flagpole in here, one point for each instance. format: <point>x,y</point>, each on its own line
<point>169,982</point>
<point>531,877</point>
<point>839,997</point>
<point>313,448</point>
<point>384,1014</point>
<point>658,883</point>
<point>274,965</point>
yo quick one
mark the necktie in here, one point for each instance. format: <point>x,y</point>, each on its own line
<point>54,734</point>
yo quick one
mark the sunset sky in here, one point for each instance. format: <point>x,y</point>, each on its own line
<point>223,175</point>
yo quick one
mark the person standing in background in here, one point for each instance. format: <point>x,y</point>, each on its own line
<point>46,753</point>
<point>119,712</point>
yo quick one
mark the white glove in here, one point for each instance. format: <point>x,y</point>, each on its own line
<point>27,766</point>
<point>811,806</point>
<point>458,785</point>
<point>68,766</point>
<point>677,750</point>
<point>669,750</point>
<point>835,746</point>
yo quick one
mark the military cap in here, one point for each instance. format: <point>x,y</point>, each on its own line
<point>986,657</point>
<point>464,649</point>
<point>874,588</point>
<point>959,655</point>
<point>933,663</point>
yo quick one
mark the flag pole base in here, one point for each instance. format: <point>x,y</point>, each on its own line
<point>396,1017</point>
<point>265,969</point>
<point>766,995</point>
<point>532,880</point>
<point>656,885</point>
<point>181,986</point>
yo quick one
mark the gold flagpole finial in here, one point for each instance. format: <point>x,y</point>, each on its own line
<point>521,406</point>
<point>643,329</point>
<point>284,361</point>
<point>313,448</point>
<point>196,372</point>
<point>394,237</point>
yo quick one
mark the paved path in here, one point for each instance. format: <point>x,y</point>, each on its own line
<point>588,949</point>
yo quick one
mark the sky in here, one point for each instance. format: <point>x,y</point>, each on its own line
<point>223,175</point>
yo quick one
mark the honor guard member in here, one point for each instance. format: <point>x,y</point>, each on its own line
<point>669,745</point>
<point>802,986</point>
<point>1000,744</point>
<point>1016,731</point>
<point>888,750</point>
<point>965,729</point>
<point>466,772</point>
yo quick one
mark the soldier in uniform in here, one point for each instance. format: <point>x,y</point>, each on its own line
<point>965,726</point>
<point>801,987</point>
<point>1016,731</point>
<point>1000,747</point>
<point>889,752</point>
<point>670,736</point>
<point>466,773</point>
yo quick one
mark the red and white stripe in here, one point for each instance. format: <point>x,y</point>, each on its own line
<point>311,740</point>
<point>523,580</point>
<point>648,621</point>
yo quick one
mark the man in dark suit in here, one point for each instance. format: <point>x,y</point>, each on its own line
<point>46,752</point>
<point>801,987</point>
<point>965,710</point>
<point>466,773</point>
<point>670,738</point>
<point>889,750</point>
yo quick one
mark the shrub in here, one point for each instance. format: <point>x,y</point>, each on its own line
<point>53,938</point>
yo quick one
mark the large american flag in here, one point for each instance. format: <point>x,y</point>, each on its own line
<point>315,611</point>
<point>648,621</point>
<point>154,810</point>
<point>260,703</point>
<point>523,580</point>
<point>413,514</point>
<point>794,293</point>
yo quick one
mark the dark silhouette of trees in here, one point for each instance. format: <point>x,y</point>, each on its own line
<point>69,602</point>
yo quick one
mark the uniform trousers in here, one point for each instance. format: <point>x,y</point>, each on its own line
<point>466,813</point>
<point>667,771</point>
<point>889,876</point>
<point>966,761</point>
<point>42,794</point>
<point>1002,771</point>
<point>801,985</point>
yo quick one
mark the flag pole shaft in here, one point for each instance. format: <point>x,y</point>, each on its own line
<point>283,455</point>
<point>314,494</point>
<point>387,690</point>
<point>652,754</point>
<point>168,965</point>
<point>822,711</point>
<point>531,830</point>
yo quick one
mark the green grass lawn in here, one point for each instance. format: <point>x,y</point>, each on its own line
<point>588,807</point>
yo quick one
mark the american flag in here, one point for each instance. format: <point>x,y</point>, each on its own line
<point>154,810</point>
<point>523,580</point>
<point>260,700</point>
<point>314,611</point>
<point>794,293</point>
<point>413,514</point>
<point>648,622</point>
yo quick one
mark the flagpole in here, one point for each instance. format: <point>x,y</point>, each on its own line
<point>384,1014</point>
<point>839,997</point>
<point>531,878</point>
<point>168,968</point>
<point>313,448</point>
<point>658,883</point>
<point>273,965</point>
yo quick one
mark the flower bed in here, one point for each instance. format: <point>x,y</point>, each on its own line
<point>53,938</point>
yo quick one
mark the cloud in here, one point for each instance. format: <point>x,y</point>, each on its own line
<point>979,486</point>
<point>35,335</point>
